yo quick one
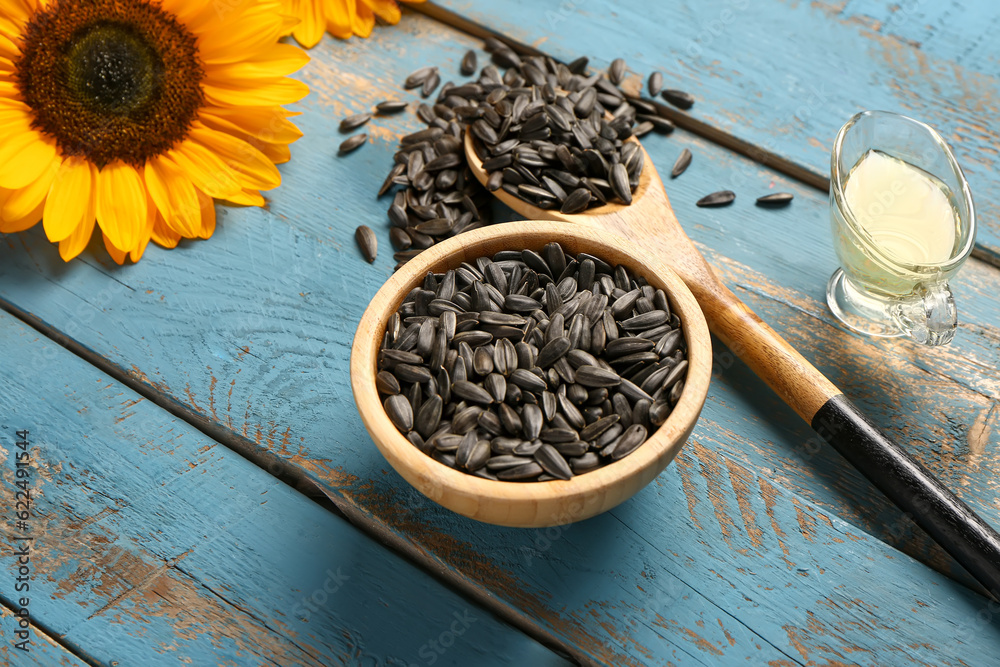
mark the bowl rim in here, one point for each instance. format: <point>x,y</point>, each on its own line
<point>438,481</point>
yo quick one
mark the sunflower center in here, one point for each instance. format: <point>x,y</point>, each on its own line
<point>110,79</point>
<point>113,70</point>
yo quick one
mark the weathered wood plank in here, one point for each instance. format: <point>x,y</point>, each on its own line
<point>249,334</point>
<point>155,545</point>
<point>40,650</point>
<point>786,75</point>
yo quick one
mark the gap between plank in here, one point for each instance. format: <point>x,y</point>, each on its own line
<point>312,489</point>
<point>766,158</point>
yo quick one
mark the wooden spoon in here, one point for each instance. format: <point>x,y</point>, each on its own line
<point>651,223</point>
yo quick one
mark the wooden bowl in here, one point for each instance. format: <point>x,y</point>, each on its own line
<point>531,504</point>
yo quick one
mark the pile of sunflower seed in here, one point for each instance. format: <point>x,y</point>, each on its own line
<point>531,109</point>
<point>531,366</point>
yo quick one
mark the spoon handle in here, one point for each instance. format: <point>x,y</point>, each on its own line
<point>907,483</point>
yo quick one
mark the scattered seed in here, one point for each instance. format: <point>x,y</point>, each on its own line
<point>678,98</point>
<point>390,107</point>
<point>367,242</point>
<point>720,198</point>
<point>354,122</point>
<point>655,83</point>
<point>682,163</point>
<point>616,72</point>
<point>353,143</point>
<point>775,200</point>
<point>416,79</point>
<point>468,66</point>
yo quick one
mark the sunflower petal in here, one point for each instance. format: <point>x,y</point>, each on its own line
<point>267,92</point>
<point>207,215</point>
<point>70,198</point>
<point>277,60</point>
<point>174,196</point>
<point>163,235</point>
<point>121,204</point>
<point>135,254</point>
<point>8,49</point>
<point>247,198</point>
<point>255,170</point>
<point>24,154</point>
<point>23,201</point>
<point>387,10</point>
<point>74,244</point>
<point>313,24</point>
<point>364,21</point>
<point>263,124</point>
<point>247,32</point>
<point>116,254</point>
<point>205,169</point>
<point>339,17</point>
<point>20,224</point>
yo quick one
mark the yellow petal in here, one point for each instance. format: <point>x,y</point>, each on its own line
<point>364,21</point>
<point>278,60</point>
<point>248,32</point>
<point>23,201</point>
<point>174,196</point>
<point>8,49</point>
<point>313,23</point>
<point>255,170</point>
<point>265,93</point>
<point>339,17</point>
<point>121,204</point>
<point>163,235</point>
<point>24,154</point>
<point>116,254</point>
<point>247,198</point>
<point>70,198</point>
<point>207,215</point>
<point>135,254</point>
<point>259,124</point>
<point>387,10</point>
<point>74,244</point>
<point>20,224</point>
<point>205,169</point>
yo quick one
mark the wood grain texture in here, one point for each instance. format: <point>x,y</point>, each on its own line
<point>249,334</point>
<point>156,545</point>
<point>538,504</point>
<point>42,650</point>
<point>784,76</point>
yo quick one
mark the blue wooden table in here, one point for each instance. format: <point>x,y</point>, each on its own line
<point>204,492</point>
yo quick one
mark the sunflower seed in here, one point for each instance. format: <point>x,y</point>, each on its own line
<point>353,143</point>
<point>658,412</point>
<point>552,462</point>
<point>618,177</point>
<point>682,163</point>
<point>633,436</point>
<point>678,98</point>
<point>720,198</point>
<point>417,78</point>
<point>553,351</point>
<point>399,411</point>
<point>586,463</point>
<point>430,84</point>
<point>428,416</point>
<point>655,83</point>
<point>390,107</point>
<point>521,472</point>
<point>775,200</point>
<point>468,66</point>
<point>354,122</point>
<point>367,242</point>
<point>594,376</point>
<point>645,321</point>
<point>386,383</point>
<point>471,392</point>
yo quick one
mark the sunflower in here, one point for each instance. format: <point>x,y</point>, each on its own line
<point>341,18</point>
<point>137,115</point>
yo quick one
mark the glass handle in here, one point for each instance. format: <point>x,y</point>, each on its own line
<point>928,315</point>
